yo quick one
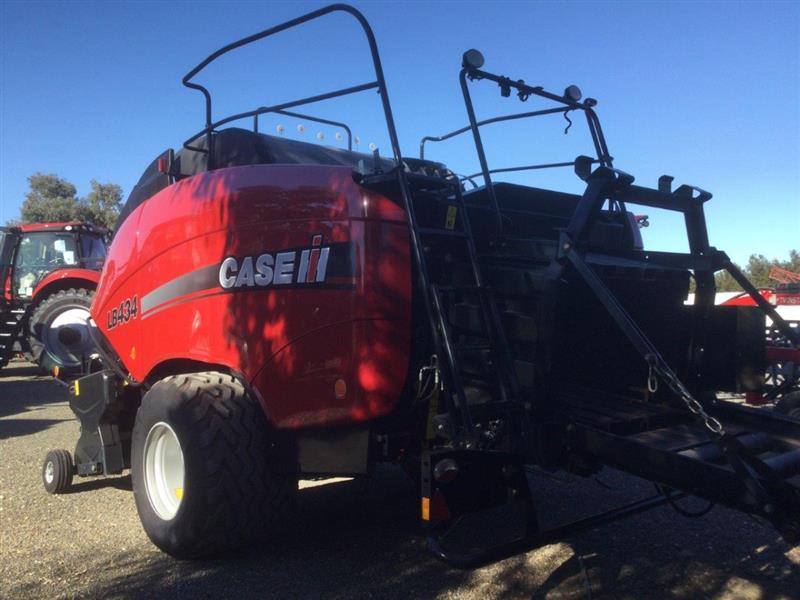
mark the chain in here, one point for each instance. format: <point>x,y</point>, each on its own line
<point>652,380</point>
<point>712,424</point>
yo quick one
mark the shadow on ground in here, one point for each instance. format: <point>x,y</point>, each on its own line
<point>361,539</point>
<point>23,392</point>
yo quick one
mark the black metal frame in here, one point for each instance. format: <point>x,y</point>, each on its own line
<point>524,91</point>
<point>750,483</point>
<point>379,83</point>
<point>609,184</point>
<point>501,119</point>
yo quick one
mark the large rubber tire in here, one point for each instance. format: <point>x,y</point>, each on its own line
<point>58,331</point>
<point>57,471</point>
<point>234,492</point>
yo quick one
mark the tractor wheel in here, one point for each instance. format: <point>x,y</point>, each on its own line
<point>59,330</point>
<point>57,471</point>
<point>205,475</point>
<point>789,405</point>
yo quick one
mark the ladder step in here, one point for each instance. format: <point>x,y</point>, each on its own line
<point>474,347</point>
<point>486,410</point>
<point>442,232</point>
<point>451,289</point>
<point>519,327</point>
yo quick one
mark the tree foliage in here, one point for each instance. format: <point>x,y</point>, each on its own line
<point>101,205</point>
<point>51,199</point>
<point>757,271</point>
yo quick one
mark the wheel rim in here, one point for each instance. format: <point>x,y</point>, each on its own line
<point>163,470</point>
<point>49,472</point>
<point>67,339</point>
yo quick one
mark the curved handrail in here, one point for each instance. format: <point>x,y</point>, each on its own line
<point>524,91</point>
<point>376,61</point>
<point>447,136</point>
<point>554,165</point>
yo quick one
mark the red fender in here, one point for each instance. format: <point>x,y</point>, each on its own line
<point>88,276</point>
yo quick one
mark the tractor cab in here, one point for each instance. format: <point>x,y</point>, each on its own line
<point>38,261</point>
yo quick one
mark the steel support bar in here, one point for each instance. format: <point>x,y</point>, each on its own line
<point>666,260</point>
<point>628,326</point>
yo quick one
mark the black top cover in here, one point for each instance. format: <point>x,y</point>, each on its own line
<point>237,147</point>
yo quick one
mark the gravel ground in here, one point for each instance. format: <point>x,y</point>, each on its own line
<point>353,539</point>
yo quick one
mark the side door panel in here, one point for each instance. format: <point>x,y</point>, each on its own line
<point>8,243</point>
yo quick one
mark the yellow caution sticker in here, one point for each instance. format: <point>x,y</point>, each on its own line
<point>426,509</point>
<point>179,493</point>
<point>450,222</point>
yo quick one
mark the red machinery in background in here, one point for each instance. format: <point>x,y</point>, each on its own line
<point>783,373</point>
<point>48,274</point>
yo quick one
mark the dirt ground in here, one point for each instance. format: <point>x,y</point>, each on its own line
<point>353,539</point>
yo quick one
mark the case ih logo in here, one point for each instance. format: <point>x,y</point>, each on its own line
<point>282,268</point>
<point>332,266</point>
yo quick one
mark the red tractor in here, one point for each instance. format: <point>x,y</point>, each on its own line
<point>49,272</point>
<point>272,309</point>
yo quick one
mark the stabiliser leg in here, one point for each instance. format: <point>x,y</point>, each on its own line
<point>490,515</point>
<point>95,402</point>
<point>481,508</point>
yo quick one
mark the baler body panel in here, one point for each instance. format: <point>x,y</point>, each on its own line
<point>293,276</point>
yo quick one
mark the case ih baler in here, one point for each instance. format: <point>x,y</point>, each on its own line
<point>272,309</point>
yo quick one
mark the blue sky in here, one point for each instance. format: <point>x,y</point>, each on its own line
<point>706,91</point>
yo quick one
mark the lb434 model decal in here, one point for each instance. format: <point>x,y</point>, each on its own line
<point>127,310</point>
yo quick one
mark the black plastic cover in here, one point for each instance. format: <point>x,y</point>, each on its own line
<point>237,147</point>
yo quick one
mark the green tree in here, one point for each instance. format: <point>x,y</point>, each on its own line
<point>102,205</point>
<point>757,270</point>
<point>793,264</point>
<point>52,198</point>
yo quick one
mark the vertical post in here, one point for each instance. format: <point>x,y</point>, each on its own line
<point>705,290</point>
<point>476,134</point>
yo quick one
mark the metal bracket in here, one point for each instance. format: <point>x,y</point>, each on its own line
<point>690,191</point>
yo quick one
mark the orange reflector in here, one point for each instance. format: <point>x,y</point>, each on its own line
<point>340,389</point>
<point>56,371</point>
<point>426,509</point>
